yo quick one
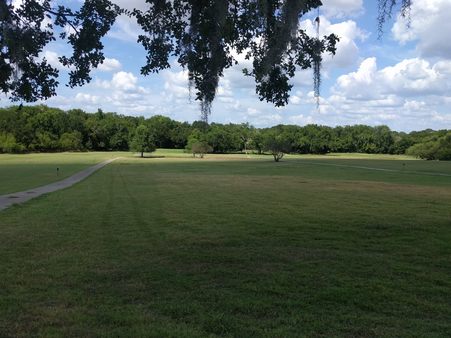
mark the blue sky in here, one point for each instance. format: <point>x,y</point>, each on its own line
<point>402,80</point>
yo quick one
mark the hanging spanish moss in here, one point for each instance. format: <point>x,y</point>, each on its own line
<point>317,79</point>
<point>208,53</point>
<point>205,111</point>
<point>204,35</point>
<point>386,8</point>
<point>191,85</point>
<point>317,60</point>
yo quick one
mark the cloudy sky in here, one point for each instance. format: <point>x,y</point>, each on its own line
<point>402,80</point>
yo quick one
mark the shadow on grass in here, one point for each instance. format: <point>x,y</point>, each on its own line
<point>150,156</point>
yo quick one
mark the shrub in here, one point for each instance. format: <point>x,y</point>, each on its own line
<point>143,140</point>
<point>276,144</point>
<point>201,148</point>
<point>8,144</point>
<point>71,141</point>
<point>433,149</point>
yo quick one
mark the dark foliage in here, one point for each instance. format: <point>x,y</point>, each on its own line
<point>41,128</point>
<point>28,28</point>
<point>200,34</point>
<point>435,146</point>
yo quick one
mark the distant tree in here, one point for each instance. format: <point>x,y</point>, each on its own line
<point>200,125</point>
<point>223,138</point>
<point>256,141</point>
<point>161,127</point>
<point>194,137</point>
<point>426,150</point>
<point>42,128</point>
<point>444,150</point>
<point>383,140</point>
<point>402,142</point>
<point>313,139</point>
<point>276,144</point>
<point>71,141</point>
<point>197,144</point>
<point>143,140</point>
<point>46,141</point>
<point>245,133</point>
<point>8,144</point>
<point>179,134</point>
<point>433,148</point>
<point>201,148</point>
<point>97,138</point>
<point>117,129</point>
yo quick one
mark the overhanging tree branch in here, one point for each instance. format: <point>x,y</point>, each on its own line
<point>201,35</point>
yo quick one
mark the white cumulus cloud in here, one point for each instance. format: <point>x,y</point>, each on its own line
<point>430,25</point>
<point>124,81</point>
<point>407,95</point>
<point>342,8</point>
<point>109,65</point>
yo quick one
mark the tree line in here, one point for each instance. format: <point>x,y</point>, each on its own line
<point>45,129</point>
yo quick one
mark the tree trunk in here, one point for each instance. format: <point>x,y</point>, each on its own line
<point>142,154</point>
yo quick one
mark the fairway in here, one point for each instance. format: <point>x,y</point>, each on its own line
<point>21,172</point>
<point>231,245</point>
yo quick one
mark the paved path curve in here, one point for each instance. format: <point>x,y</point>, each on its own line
<point>24,196</point>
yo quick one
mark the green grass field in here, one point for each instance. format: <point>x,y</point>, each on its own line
<point>232,246</point>
<point>21,172</point>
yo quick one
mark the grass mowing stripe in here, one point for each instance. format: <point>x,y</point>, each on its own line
<point>27,171</point>
<point>231,249</point>
<point>377,169</point>
<point>24,196</point>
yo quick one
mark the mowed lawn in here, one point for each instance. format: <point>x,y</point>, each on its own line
<point>233,247</point>
<point>21,172</point>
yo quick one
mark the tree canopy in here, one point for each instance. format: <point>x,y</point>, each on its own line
<point>200,34</point>
<point>43,129</point>
<point>143,140</point>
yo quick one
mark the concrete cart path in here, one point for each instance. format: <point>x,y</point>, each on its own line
<point>24,196</point>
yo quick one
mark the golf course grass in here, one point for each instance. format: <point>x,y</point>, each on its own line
<point>233,246</point>
<point>21,172</point>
